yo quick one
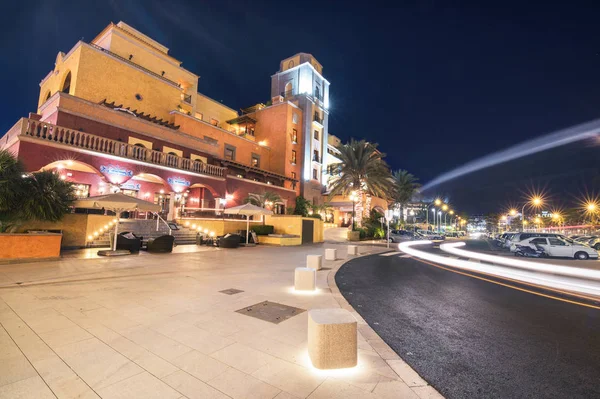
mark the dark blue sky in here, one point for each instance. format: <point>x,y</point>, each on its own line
<point>436,84</point>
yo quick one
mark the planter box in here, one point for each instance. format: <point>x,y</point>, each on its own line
<point>30,246</point>
<point>353,235</point>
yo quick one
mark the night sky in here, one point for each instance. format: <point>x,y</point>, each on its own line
<point>435,84</point>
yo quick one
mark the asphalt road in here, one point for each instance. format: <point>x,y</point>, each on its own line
<point>475,339</point>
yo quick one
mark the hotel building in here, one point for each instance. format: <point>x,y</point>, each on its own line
<point>121,114</point>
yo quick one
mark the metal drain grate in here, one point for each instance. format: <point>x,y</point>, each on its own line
<point>271,311</point>
<point>231,291</point>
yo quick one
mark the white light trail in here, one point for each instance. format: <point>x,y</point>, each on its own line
<point>540,278</point>
<point>543,143</point>
<point>550,268</point>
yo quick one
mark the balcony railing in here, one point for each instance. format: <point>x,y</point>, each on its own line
<point>287,94</point>
<point>72,138</point>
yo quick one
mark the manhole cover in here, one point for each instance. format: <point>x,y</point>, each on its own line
<point>271,311</point>
<point>231,291</point>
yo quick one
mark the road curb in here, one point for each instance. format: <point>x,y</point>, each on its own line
<point>406,373</point>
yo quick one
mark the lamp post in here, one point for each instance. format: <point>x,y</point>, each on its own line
<point>434,219</point>
<point>440,221</point>
<point>534,202</point>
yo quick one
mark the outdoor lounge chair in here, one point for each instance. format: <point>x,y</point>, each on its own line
<point>229,241</point>
<point>129,241</point>
<point>160,244</point>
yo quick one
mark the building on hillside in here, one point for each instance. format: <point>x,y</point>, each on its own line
<point>121,114</point>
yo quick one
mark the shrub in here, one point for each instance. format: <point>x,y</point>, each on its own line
<point>362,233</point>
<point>301,207</point>
<point>263,230</point>
<point>315,216</point>
<point>378,233</point>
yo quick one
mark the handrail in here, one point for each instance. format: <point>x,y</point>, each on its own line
<point>158,219</point>
<point>62,135</point>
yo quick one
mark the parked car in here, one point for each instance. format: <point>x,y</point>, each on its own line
<point>563,248</point>
<point>520,238</point>
<point>401,235</point>
<point>431,235</point>
<point>594,243</point>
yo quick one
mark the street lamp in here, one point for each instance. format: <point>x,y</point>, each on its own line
<point>535,201</point>
<point>592,208</point>
<point>440,219</point>
<point>438,202</point>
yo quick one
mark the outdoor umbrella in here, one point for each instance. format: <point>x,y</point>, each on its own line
<point>117,203</point>
<point>248,210</point>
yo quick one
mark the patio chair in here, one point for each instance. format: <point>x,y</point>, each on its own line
<point>161,244</point>
<point>129,241</point>
<point>229,241</point>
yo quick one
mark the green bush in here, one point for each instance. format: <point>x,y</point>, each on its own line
<point>378,233</point>
<point>263,230</point>
<point>362,233</point>
<point>315,216</point>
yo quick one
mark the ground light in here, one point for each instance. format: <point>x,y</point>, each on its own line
<point>359,369</point>
<point>294,291</point>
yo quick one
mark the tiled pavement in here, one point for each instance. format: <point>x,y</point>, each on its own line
<point>156,326</point>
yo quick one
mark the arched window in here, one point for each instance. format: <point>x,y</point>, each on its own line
<point>288,89</point>
<point>67,84</point>
<point>139,145</point>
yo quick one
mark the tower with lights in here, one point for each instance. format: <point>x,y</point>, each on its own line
<point>300,81</point>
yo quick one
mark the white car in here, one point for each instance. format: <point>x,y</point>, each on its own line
<point>563,247</point>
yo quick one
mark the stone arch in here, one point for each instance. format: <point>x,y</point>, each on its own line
<point>289,87</point>
<point>66,85</point>
<point>71,164</point>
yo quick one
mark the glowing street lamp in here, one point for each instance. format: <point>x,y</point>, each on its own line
<point>535,202</point>
<point>438,202</point>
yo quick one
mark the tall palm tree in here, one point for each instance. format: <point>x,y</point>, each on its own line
<point>405,187</point>
<point>363,170</point>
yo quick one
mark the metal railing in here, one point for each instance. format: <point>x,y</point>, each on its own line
<point>160,219</point>
<point>207,213</point>
<point>73,138</point>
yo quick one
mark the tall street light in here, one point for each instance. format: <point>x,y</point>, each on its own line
<point>434,219</point>
<point>440,221</point>
<point>534,202</point>
<point>592,208</point>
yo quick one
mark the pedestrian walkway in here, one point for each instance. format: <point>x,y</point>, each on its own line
<point>174,326</point>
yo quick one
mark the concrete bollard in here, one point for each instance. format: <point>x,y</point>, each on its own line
<point>314,262</point>
<point>352,250</point>
<point>305,279</point>
<point>330,254</point>
<point>332,339</point>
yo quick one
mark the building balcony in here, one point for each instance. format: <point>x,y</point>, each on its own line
<point>46,133</point>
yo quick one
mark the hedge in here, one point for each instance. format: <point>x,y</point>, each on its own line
<point>263,230</point>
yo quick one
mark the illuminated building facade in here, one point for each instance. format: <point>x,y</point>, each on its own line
<point>121,114</point>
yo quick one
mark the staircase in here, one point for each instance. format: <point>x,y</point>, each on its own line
<point>147,229</point>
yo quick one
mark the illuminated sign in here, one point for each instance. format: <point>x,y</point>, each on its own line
<point>116,170</point>
<point>130,186</point>
<point>178,181</point>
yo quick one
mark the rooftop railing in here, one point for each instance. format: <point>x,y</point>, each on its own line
<point>73,138</point>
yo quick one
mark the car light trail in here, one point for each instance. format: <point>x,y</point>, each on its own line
<point>536,277</point>
<point>546,142</point>
<point>567,271</point>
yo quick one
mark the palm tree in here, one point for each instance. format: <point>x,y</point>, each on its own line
<point>362,170</point>
<point>405,187</point>
<point>264,200</point>
<point>42,196</point>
